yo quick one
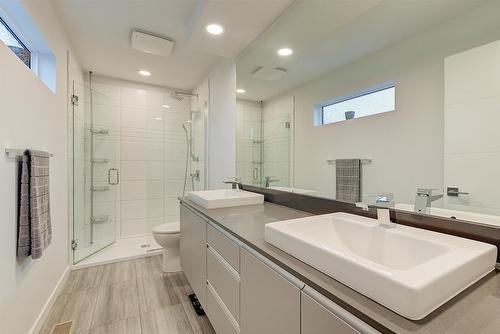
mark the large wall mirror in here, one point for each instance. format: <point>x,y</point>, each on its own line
<point>394,102</point>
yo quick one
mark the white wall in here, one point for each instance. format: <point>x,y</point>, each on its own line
<point>220,88</point>
<point>32,116</point>
<point>472,118</point>
<point>406,145</point>
<point>148,145</point>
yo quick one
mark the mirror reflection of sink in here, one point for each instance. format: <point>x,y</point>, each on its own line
<point>448,213</point>
<point>294,190</point>
<point>409,270</point>
<point>223,198</point>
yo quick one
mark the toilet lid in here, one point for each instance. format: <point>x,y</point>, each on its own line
<point>168,228</point>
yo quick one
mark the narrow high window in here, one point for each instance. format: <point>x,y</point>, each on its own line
<point>14,43</point>
<point>360,104</point>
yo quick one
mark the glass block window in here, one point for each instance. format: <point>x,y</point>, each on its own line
<point>14,43</point>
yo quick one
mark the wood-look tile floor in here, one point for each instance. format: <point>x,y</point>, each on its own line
<point>129,297</point>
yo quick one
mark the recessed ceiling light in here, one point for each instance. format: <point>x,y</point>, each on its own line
<point>285,52</point>
<point>215,29</point>
<point>158,118</point>
<point>240,90</point>
<point>145,73</point>
<point>165,106</point>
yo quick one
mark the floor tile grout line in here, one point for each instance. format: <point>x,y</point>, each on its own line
<point>137,287</point>
<point>95,307</point>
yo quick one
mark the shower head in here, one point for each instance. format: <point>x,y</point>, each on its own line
<point>176,96</point>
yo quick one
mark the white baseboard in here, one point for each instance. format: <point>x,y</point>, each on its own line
<point>37,326</point>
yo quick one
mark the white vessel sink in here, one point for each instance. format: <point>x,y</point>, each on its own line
<point>448,213</point>
<point>409,270</point>
<point>294,190</point>
<point>213,199</point>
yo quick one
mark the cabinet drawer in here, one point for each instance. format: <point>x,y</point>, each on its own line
<point>218,314</point>
<point>225,280</point>
<point>229,250</point>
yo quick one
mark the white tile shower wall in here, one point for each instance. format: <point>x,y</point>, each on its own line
<point>277,128</point>
<point>150,151</point>
<point>249,141</point>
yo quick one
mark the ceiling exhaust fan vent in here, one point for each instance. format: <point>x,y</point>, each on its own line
<point>151,43</point>
<point>269,73</point>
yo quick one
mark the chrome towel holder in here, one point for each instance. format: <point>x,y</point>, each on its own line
<point>13,153</point>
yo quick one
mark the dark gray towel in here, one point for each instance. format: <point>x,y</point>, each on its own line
<point>348,180</point>
<point>34,225</point>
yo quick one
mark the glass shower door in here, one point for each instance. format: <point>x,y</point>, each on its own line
<point>96,139</point>
<point>277,149</point>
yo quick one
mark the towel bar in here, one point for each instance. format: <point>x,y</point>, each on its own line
<point>12,153</point>
<point>363,161</point>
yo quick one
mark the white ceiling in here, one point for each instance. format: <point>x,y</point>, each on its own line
<point>100,33</point>
<point>326,34</point>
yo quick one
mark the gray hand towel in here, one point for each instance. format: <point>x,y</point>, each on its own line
<point>348,180</point>
<point>34,225</point>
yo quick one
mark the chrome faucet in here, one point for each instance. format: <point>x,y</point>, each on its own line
<point>235,183</point>
<point>269,179</point>
<point>384,200</point>
<point>424,198</point>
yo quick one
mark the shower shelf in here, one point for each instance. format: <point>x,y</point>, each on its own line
<point>97,189</point>
<point>100,161</point>
<point>100,132</point>
<point>100,219</point>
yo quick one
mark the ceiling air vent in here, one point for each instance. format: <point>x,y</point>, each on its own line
<point>151,43</point>
<point>269,73</point>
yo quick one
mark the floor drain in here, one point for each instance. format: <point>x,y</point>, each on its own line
<point>145,245</point>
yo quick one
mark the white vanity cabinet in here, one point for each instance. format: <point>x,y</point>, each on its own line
<point>223,281</point>
<point>315,318</point>
<point>193,230</point>
<point>243,292</point>
<point>270,303</point>
<point>319,315</point>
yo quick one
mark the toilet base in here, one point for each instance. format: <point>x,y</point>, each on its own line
<point>171,262</point>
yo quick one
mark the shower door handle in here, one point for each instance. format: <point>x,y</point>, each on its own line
<point>117,176</point>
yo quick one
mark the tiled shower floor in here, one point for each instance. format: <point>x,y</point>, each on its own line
<point>123,249</point>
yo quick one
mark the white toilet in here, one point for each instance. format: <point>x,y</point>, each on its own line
<point>167,235</point>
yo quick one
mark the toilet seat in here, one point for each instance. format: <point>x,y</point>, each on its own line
<point>168,228</point>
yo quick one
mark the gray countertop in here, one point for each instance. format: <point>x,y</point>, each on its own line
<point>475,310</point>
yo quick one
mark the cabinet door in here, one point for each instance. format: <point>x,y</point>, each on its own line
<point>193,231</point>
<point>270,304</point>
<point>316,319</point>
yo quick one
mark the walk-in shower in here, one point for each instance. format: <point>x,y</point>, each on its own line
<point>264,143</point>
<point>135,150</point>
<point>95,173</point>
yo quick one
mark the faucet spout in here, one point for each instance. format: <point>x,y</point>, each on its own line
<point>384,218</point>
<point>383,215</point>
<point>424,198</point>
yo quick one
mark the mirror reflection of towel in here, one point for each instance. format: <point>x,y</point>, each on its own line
<point>34,224</point>
<point>348,180</point>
